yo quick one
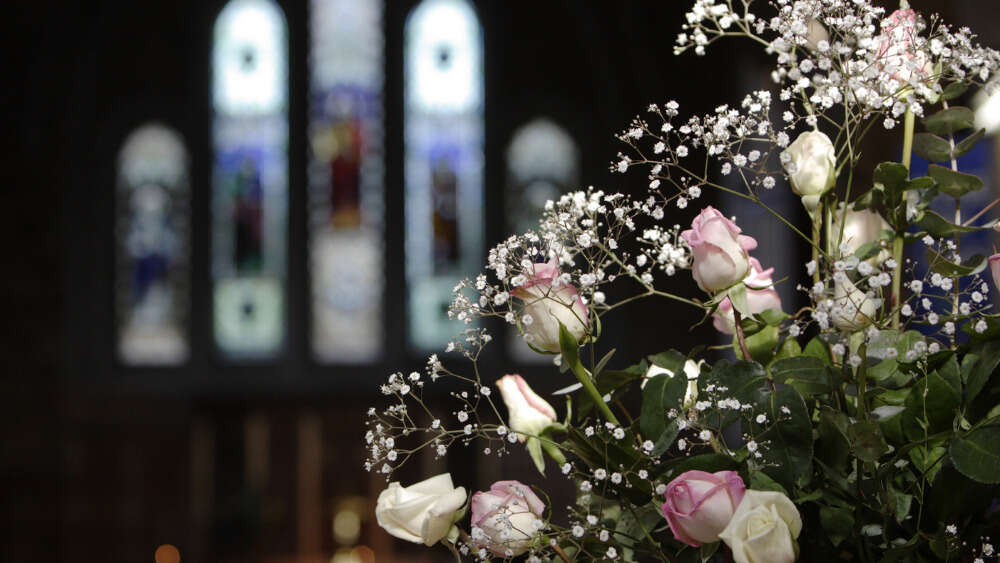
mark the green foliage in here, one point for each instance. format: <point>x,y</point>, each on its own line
<point>662,394</point>
<point>955,184</point>
<point>867,441</point>
<point>837,522</point>
<point>950,121</point>
<point>931,147</point>
<point>788,431</point>
<point>977,454</point>
<point>971,266</point>
<point>939,227</point>
<point>808,374</point>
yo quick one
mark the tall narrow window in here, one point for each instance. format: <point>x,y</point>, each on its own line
<point>346,179</point>
<point>543,162</point>
<point>443,72</point>
<point>250,178</point>
<point>153,234</point>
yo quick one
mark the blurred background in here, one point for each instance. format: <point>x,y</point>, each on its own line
<point>228,222</point>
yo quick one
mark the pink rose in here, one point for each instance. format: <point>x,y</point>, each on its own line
<point>898,54</point>
<point>759,300</point>
<point>700,504</point>
<point>548,301</point>
<point>995,269</point>
<point>719,251</point>
<point>505,519</point>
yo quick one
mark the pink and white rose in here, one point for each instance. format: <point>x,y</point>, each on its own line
<point>548,301</point>
<point>507,518</point>
<point>761,296</point>
<point>527,412</point>
<point>719,251</point>
<point>700,504</point>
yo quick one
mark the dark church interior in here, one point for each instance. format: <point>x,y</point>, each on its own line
<point>198,324</point>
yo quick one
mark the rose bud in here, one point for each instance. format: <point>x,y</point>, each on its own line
<point>421,513</point>
<point>699,504</point>
<point>811,164</point>
<point>507,518</point>
<point>549,301</point>
<point>763,529</point>
<point>758,300</point>
<point>528,413</point>
<point>860,228</point>
<point>852,309</point>
<point>719,251</point>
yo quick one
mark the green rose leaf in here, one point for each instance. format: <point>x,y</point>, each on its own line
<point>892,177</point>
<point>740,379</point>
<point>760,345</point>
<point>938,395</point>
<point>931,147</point>
<point>662,393</point>
<point>955,184</point>
<point>981,371</point>
<point>951,120</point>
<point>833,446</point>
<point>977,454</point>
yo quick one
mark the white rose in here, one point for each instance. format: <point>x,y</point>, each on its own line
<point>549,302</point>
<point>852,310</point>
<point>691,370</point>
<point>528,413</point>
<point>763,529</point>
<point>421,513</point>
<point>811,165</point>
<point>860,227</point>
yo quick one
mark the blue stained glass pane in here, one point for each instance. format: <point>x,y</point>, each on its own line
<point>346,173</point>
<point>250,178</point>
<point>153,257</point>
<point>443,72</point>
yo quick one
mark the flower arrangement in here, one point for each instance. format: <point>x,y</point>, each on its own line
<point>863,427</point>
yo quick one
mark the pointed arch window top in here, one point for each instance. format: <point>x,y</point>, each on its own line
<point>249,58</point>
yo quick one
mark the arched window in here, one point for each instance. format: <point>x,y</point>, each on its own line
<point>443,136</point>
<point>543,162</point>
<point>250,178</point>
<point>346,171</point>
<point>153,247</point>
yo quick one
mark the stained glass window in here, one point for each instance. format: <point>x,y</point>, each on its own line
<point>543,162</point>
<point>250,177</point>
<point>346,179</point>
<point>443,104</point>
<point>153,234</point>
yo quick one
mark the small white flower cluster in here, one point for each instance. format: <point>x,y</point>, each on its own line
<point>586,233</point>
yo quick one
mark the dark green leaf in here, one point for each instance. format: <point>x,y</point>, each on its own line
<point>740,378</point>
<point>969,267</point>
<point>833,446</point>
<point>569,346</point>
<point>892,177</point>
<point>702,462</point>
<point>788,458</point>
<point>760,481</point>
<point>868,249</point>
<point>789,349</point>
<point>837,522</point>
<point>955,184</point>
<point>662,393</point>
<point>867,441</point>
<point>951,120</point>
<point>977,454</point>
<point>901,504</point>
<point>818,349</point>
<point>928,460</point>
<point>939,227</point>
<point>983,369</point>
<point>671,360</point>
<point>968,143</point>
<point>773,317</point>
<point>807,374</point>
<point>604,361</point>
<point>934,400</point>
<point>931,147</point>
<point>954,90</point>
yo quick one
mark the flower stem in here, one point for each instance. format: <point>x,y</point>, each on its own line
<point>897,242</point>
<point>561,553</point>
<point>588,384</point>
<point>739,335</point>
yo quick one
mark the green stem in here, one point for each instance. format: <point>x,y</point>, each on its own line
<point>588,384</point>
<point>897,242</point>
<point>739,335</point>
<point>908,139</point>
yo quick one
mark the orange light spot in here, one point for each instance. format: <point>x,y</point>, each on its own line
<point>167,553</point>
